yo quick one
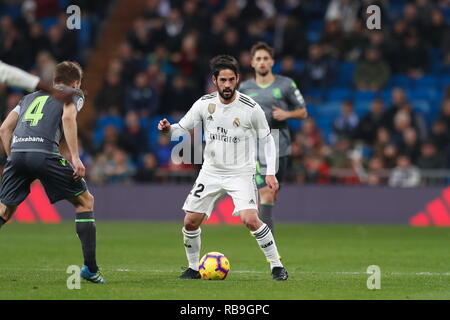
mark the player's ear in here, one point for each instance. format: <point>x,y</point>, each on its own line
<point>253,62</point>
<point>214,80</point>
<point>238,78</point>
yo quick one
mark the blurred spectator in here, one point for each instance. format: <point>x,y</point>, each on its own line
<point>344,125</point>
<point>404,174</point>
<point>179,97</point>
<point>173,29</point>
<point>373,175</point>
<point>382,139</point>
<point>398,98</point>
<point>45,66</point>
<point>96,172</point>
<point>410,144</point>
<point>402,121</point>
<point>309,138</point>
<point>288,68</point>
<point>369,124</point>
<point>38,39</point>
<point>354,42</point>
<point>445,114</point>
<point>140,38</point>
<point>245,63</point>
<point>291,38</point>
<point>314,170</point>
<point>141,97</point>
<point>390,154</point>
<point>372,73</point>
<point>439,134</point>
<point>319,69</point>
<point>134,139</point>
<point>147,172</point>
<point>338,158</point>
<point>231,42</point>
<point>163,150</point>
<point>346,11</point>
<point>436,29</point>
<point>119,168</point>
<point>413,58</point>
<point>110,98</point>
<point>332,39</point>
<point>429,157</point>
<point>13,46</point>
<point>110,137</point>
<point>62,44</point>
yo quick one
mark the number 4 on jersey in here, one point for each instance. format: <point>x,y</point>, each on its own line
<point>34,112</point>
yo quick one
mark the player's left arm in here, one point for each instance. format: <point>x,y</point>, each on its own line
<point>7,129</point>
<point>295,101</point>
<point>259,123</point>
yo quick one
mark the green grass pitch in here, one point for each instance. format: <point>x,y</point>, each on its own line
<point>142,260</point>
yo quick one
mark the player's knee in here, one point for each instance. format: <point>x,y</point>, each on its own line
<point>268,195</point>
<point>86,202</point>
<point>191,223</point>
<point>6,212</point>
<point>252,222</point>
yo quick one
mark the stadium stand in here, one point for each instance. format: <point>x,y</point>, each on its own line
<point>167,44</point>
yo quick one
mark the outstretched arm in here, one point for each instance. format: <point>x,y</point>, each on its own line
<point>15,77</point>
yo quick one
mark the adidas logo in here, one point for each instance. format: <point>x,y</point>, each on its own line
<point>267,244</point>
<point>436,213</point>
<point>210,118</point>
<point>251,202</point>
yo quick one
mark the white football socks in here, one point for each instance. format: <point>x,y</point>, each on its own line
<point>267,244</point>
<point>192,244</point>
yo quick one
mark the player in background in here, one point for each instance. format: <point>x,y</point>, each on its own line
<point>31,136</point>
<point>281,100</point>
<point>16,77</point>
<point>231,122</point>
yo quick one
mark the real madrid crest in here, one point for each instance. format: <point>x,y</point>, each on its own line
<point>236,122</point>
<point>211,108</point>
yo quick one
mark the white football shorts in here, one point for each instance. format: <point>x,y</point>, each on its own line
<point>209,188</point>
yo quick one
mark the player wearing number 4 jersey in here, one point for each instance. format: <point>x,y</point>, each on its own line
<point>30,135</point>
<point>232,122</point>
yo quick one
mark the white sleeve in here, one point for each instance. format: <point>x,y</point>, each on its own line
<point>190,120</point>
<point>271,154</point>
<point>16,109</point>
<point>259,122</point>
<point>16,77</point>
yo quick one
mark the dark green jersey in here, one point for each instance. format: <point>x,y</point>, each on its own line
<point>282,93</point>
<point>39,128</point>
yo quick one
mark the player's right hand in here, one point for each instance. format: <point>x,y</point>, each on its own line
<point>79,169</point>
<point>164,125</point>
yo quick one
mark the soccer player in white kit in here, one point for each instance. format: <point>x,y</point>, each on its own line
<point>232,123</point>
<point>15,77</point>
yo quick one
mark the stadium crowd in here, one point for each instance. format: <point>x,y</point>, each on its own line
<point>379,100</point>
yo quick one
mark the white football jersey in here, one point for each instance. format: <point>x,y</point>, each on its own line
<point>230,131</point>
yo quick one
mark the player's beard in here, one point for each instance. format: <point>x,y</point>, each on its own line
<point>229,96</point>
<point>263,73</point>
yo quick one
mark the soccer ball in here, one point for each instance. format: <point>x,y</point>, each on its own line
<point>214,266</point>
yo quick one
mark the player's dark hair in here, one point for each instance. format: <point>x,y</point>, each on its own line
<point>262,46</point>
<point>67,72</point>
<point>224,62</point>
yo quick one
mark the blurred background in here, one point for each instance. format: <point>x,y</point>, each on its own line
<point>378,100</point>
